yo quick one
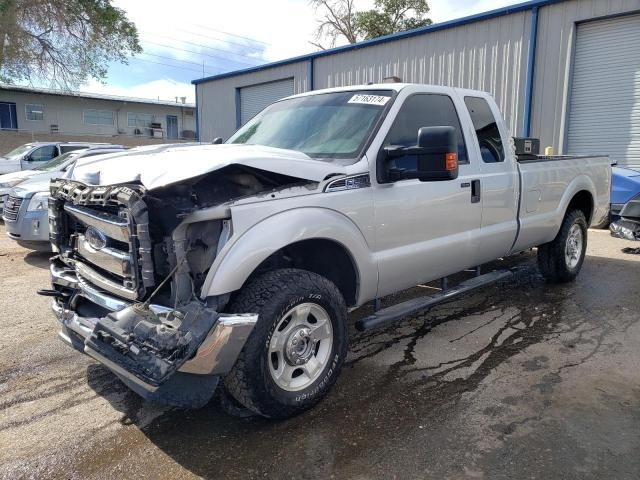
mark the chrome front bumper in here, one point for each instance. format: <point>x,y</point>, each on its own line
<point>215,356</point>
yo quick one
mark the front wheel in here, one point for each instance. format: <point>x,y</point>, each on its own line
<point>561,259</point>
<point>294,354</point>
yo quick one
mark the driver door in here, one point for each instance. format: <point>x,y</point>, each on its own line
<point>39,156</point>
<point>425,230</point>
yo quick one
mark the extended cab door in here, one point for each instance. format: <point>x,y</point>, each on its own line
<point>498,178</point>
<point>424,230</point>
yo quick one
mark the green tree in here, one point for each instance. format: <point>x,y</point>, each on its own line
<point>62,42</point>
<point>340,19</point>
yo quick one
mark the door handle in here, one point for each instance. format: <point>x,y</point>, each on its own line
<point>475,191</point>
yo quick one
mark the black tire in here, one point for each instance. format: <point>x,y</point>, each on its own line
<point>271,296</point>
<point>552,260</point>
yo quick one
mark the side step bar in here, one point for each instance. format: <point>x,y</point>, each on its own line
<point>391,314</point>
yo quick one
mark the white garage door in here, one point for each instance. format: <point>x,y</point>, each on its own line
<point>254,98</point>
<point>604,115</point>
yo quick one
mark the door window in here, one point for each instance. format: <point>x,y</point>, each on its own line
<point>486,127</point>
<point>424,110</point>
<point>44,154</point>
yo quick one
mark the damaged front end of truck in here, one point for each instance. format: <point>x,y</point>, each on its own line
<point>128,273</point>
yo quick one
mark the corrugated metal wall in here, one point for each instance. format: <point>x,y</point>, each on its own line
<point>552,80</point>
<point>217,99</point>
<point>488,55</point>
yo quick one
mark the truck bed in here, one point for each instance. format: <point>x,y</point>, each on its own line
<point>546,182</point>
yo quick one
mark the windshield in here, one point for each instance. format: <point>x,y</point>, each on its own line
<point>18,152</point>
<point>57,163</point>
<point>329,125</point>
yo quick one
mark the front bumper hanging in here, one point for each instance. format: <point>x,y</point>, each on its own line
<point>170,355</point>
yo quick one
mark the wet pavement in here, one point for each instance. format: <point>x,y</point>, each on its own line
<point>518,380</point>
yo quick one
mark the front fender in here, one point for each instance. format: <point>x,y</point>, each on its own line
<point>242,255</point>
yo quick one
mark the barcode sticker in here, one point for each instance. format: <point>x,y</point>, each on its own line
<point>369,99</point>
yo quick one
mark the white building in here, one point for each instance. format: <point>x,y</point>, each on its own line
<point>45,111</point>
<point>565,71</point>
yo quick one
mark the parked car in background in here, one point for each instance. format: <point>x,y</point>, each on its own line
<point>625,203</point>
<point>60,163</point>
<point>25,212</point>
<point>30,155</point>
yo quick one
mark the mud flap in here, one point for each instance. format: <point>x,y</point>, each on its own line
<point>147,348</point>
<point>626,229</point>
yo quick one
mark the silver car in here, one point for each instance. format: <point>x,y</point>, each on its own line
<point>25,207</point>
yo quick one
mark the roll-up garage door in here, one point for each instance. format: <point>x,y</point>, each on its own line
<point>604,114</point>
<point>254,98</point>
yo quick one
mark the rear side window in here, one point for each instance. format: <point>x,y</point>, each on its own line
<point>71,148</point>
<point>486,128</point>
<point>425,110</point>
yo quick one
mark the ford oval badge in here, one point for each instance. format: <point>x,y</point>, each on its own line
<point>95,238</point>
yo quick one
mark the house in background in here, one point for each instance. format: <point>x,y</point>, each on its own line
<point>40,111</point>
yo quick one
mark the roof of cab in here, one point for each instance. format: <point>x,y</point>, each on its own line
<point>394,86</point>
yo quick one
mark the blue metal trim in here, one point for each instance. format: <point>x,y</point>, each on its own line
<point>310,75</point>
<point>197,118</point>
<point>388,38</point>
<point>531,66</point>
<point>238,109</point>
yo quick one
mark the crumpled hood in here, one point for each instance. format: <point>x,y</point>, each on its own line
<point>165,165</point>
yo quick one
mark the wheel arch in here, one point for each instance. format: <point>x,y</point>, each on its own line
<point>580,194</point>
<point>583,201</point>
<point>316,239</point>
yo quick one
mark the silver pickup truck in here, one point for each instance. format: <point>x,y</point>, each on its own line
<point>189,268</point>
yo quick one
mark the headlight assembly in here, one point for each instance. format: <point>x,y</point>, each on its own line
<point>40,201</point>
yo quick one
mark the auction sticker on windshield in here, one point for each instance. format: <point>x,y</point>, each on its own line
<point>369,99</point>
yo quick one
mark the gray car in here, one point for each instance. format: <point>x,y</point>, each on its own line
<point>25,207</point>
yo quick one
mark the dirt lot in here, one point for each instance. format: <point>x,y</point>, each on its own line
<point>520,380</point>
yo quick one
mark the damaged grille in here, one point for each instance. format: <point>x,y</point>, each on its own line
<point>102,232</point>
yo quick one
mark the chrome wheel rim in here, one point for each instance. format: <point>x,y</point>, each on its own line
<point>573,248</point>
<point>300,347</point>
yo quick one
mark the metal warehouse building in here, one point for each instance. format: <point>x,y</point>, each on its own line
<point>566,71</point>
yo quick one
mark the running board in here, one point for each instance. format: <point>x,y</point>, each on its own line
<point>391,314</point>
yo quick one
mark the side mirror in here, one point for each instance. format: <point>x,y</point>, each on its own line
<point>217,141</point>
<point>434,158</point>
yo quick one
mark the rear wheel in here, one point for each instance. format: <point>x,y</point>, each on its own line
<point>561,259</point>
<point>296,349</point>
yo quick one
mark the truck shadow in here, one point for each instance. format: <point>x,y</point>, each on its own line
<point>387,387</point>
<point>38,259</point>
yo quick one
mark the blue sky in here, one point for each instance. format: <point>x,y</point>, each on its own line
<point>183,39</point>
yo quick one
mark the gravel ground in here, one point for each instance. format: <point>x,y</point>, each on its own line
<point>519,380</point>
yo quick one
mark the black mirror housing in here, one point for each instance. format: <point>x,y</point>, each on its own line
<point>435,157</point>
<point>217,141</point>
